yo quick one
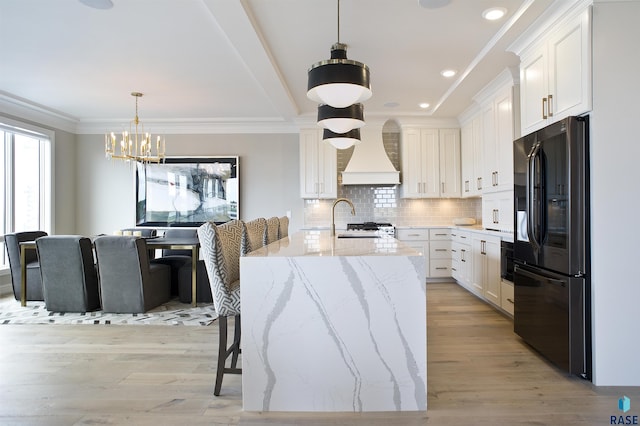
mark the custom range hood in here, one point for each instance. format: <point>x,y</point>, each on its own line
<point>370,164</point>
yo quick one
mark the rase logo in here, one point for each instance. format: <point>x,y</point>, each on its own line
<point>624,405</point>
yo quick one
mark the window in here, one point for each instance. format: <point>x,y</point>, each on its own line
<point>25,180</point>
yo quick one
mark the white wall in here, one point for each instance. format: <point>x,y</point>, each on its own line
<point>269,178</point>
<point>615,201</point>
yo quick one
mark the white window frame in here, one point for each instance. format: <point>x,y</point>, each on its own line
<point>47,178</point>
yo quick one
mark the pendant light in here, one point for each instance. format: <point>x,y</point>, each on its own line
<point>341,120</point>
<point>341,140</point>
<point>338,82</point>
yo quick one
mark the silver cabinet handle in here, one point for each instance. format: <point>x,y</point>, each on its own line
<point>544,108</point>
<point>479,182</point>
<point>442,190</point>
<point>550,105</point>
<point>440,249</point>
<point>510,301</point>
<point>441,267</point>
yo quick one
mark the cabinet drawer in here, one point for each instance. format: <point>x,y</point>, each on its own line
<point>460,236</point>
<point>440,268</point>
<point>412,234</point>
<point>506,293</point>
<point>440,249</point>
<point>439,234</point>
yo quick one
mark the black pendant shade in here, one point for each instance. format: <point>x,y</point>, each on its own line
<point>342,140</point>
<point>341,120</point>
<point>338,82</point>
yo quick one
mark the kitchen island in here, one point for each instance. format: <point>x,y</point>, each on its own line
<point>334,324</point>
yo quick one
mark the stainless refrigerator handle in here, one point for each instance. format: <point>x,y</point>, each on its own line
<point>539,277</point>
<point>530,192</point>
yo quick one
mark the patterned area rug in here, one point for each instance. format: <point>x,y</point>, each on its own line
<point>171,313</point>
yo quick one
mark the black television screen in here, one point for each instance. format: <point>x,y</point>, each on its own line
<point>187,191</point>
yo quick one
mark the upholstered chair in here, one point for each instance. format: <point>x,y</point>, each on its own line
<point>180,263</point>
<point>221,248</point>
<point>129,283</point>
<point>283,228</point>
<point>256,234</point>
<point>69,276</point>
<point>273,229</point>
<point>145,233</point>
<point>34,280</point>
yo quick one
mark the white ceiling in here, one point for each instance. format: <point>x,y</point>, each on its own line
<point>205,64</point>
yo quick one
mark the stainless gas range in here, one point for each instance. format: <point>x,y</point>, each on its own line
<point>384,228</point>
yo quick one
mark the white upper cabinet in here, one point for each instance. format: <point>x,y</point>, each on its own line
<point>420,163</point>
<point>497,141</point>
<point>555,72</point>
<point>497,211</point>
<point>449,163</point>
<point>430,163</point>
<point>497,122</point>
<point>472,156</point>
<point>318,166</point>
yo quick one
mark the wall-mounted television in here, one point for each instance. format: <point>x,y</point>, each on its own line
<point>187,191</point>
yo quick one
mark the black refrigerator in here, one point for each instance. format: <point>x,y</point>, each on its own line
<point>551,245</point>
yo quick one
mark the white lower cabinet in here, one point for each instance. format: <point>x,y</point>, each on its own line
<point>435,244</point>
<point>461,257</point>
<point>417,238</point>
<point>507,302</point>
<point>486,279</point>
<point>439,253</point>
<point>472,258</point>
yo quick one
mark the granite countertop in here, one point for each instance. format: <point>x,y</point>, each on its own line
<point>322,243</point>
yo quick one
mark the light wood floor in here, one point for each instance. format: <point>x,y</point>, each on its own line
<point>479,373</point>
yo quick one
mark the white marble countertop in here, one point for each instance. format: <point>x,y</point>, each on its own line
<point>321,243</point>
<point>507,236</point>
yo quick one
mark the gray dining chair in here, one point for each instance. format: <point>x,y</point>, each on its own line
<point>180,263</point>
<point>145,233</point>
<point>273,229</point>
<point>34,279</point>
<point>256,234</point>
<point>222,247</point>
<point>129,283</point>
<point>69,276</point>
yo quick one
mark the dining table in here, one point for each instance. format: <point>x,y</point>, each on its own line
<point>153,243</point>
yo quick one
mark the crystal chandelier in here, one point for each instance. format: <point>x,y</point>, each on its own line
<point>135,144</point>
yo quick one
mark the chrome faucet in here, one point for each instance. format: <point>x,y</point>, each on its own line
<point>333,213</point>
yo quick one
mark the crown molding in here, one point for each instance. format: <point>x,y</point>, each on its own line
<point>25,110</point>
<point>193,126</point>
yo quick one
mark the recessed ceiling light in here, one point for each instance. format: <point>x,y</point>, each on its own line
<point>391,104</point>
<point>424,105</point>
<point>448,73</point>
<point>494,13</point>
